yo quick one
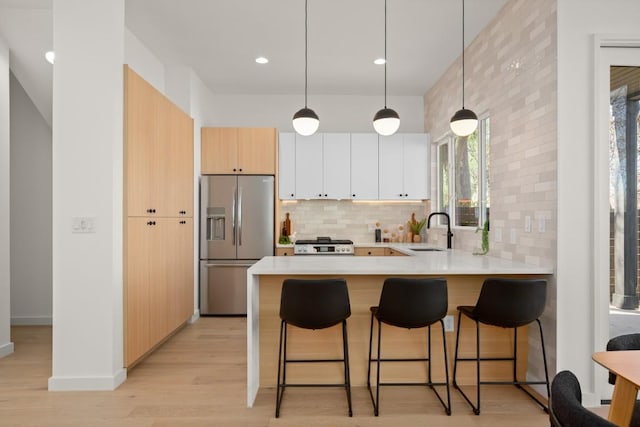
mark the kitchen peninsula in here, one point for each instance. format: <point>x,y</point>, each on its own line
<point>364,275</point>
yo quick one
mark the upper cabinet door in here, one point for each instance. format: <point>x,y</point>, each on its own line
<point>416,166</point>
<point>179,172</point>
<point>140,140</point>
<point>336,160</point>
<point>390,162</point>
<point>219,151</point>
<point>364,166</point>
<point>309,167</point>
<point>256,151</point>
<point>287,166</point>
<point>158,150</point>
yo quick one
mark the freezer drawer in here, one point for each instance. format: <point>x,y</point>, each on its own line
<point>223,287</point>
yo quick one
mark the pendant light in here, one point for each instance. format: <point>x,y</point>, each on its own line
<point>464,122</point>
<point>305,120</point>
<point>386,121</point>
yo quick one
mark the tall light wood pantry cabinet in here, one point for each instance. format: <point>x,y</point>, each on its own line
<point>158,210</point>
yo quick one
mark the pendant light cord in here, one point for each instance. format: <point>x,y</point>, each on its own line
<point>305,52</point>
<point>385,54</point>
<point>462,54</point>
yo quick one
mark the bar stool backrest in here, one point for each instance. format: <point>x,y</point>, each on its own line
<point>565,406</point>
<point>510,303</point>
<point>314,304</point>
<point>412,303</point>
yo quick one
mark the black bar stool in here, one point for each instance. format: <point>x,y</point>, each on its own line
<point>507,303</point>
<point>410,303</point>
<point>313,304</point>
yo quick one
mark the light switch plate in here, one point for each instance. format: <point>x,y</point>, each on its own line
<point>527,224</point>
<point>83,224</point>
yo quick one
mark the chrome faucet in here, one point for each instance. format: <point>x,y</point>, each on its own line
<point>449,233</point>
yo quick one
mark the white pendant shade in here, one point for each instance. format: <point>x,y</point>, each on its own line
<point>386,122</point>
<point>306,122</point>
<point>464,127</point>
<point>464,122</point>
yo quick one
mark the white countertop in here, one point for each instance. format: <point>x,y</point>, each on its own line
<point>446,262</point>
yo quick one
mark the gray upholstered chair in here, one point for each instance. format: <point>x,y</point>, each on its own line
<point>565,404</point>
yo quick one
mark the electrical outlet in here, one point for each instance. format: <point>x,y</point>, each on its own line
<point>448,323</point>
<point>83,224</point>
<point>527,224</point>
<point>542,226</point>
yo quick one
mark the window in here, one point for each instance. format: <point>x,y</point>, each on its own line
<point>463,178</point>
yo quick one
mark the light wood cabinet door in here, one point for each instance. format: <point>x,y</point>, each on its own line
<point>140,140</point>
<point>287,166</point>
<point>392,252</point>
<point>242,151</point>
<point>179,178</point>
<point>137,340</point>
<point>256,151</point>
<point>284,251</point>
<point>158,153</point>
<point>182,304</point>
<point>219,151</point>
<point>369,251</point>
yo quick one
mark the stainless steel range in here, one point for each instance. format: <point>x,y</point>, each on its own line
<point>323,246</point>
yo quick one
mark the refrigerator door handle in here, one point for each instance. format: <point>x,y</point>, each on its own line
<point>239,216</point>
<point>233,216</point>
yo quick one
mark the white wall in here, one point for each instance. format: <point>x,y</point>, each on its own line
<point>87,182</point>
<point>578,22</point>
<point>30,211</point>
<point>337,113</point>
<point>143,61</point>
<point>6,346</point>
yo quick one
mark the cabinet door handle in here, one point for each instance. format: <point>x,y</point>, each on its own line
<point>291,194</point>
<point>353,195</point>
<point>234,169</point>
<point>240,169</point>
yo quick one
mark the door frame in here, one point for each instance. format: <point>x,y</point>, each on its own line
<point>608,50</point>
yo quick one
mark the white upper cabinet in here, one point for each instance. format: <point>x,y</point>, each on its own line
<point>360,166</point>
<point>287,166</point>
<point>404,167</point>
<point>336,162</point>
<point>309,166</point>
<point>364,166</point>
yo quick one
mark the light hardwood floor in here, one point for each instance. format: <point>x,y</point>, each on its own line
<point>198,377</point>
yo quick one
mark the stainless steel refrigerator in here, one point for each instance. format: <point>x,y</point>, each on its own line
<point>236,230</point>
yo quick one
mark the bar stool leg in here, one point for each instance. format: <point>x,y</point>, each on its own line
<point>477,409</point>
<point>455,357</point>
<point>347,373</point>
<point>544,359</point>
<point>446,368</point>
<point>278,394</point>
<point>515,357</point>
<point>377,405</point>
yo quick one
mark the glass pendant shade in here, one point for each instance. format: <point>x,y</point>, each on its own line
<point>305,121</point>
<point>386,122</point>
<point>464,122</point>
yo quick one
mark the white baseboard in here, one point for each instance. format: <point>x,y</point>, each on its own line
<point>195,317</point>
<point>31,321</point>
<point>6,349</point>
<point>88,383</point>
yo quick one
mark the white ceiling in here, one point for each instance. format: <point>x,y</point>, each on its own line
<point>220,40</point>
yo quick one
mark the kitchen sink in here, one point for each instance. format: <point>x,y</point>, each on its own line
<point>427,249</point>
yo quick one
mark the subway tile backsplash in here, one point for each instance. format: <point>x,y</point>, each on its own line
<point>344,219</point>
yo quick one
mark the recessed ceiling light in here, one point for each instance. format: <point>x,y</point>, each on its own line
<point>379,61</point>
<point>50,56</point>
<point>262,60</point>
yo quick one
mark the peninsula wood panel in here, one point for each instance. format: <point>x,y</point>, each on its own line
<point>244,151</point>
<point>364,292</point>
<point>368,251</point>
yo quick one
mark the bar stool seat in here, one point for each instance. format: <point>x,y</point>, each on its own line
<point>410,303</point>
<point>312,304</point>
<point>505,303</point>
